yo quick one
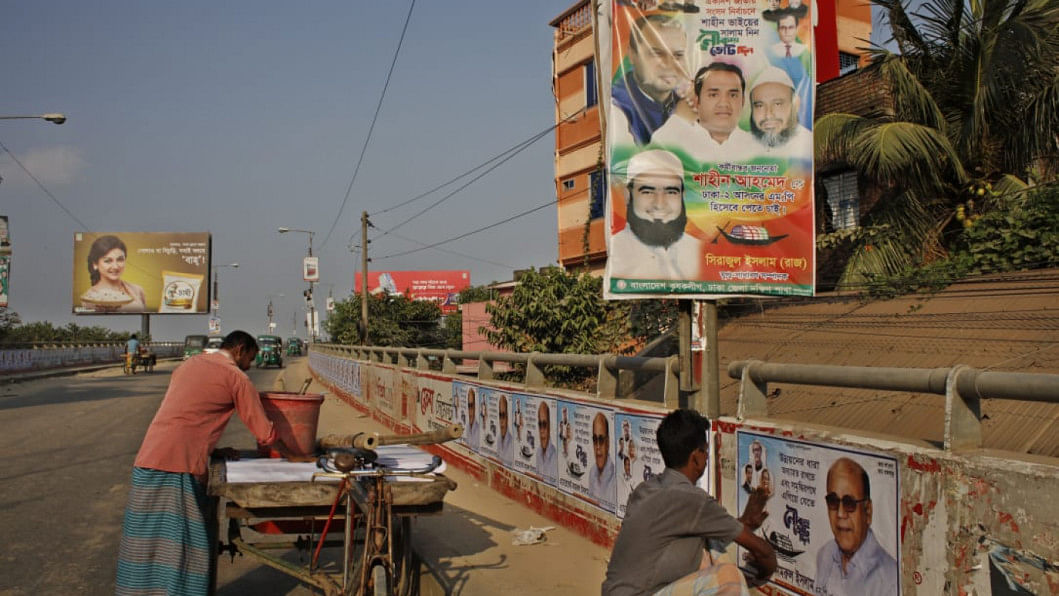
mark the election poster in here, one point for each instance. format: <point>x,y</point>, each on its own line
<point>468,406</point>
<point>833,514</point>
<point>535,437</point>
<point>638,457</point>
<point>586,453</point>
<point>710,149</point>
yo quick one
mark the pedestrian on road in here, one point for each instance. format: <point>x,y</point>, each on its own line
<point>167,542</point>
<point>670,525</point>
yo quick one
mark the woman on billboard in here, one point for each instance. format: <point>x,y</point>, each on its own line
<point>110,293</point>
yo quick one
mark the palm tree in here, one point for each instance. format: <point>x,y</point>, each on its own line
<point>974,90</point>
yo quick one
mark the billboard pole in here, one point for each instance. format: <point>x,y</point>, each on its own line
<point>145,326</point>
<point>364,223</point>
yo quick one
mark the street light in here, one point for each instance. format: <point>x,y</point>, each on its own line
<point>309,297</point>
<point>217,285</point>
<point>270,311</point>
<point>56,118</point>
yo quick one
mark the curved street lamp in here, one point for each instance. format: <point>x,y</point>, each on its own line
<point>51,117</point>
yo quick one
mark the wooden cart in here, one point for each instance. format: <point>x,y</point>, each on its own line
<point>264,518</point>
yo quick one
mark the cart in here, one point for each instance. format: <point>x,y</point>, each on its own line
<point>142,358</point>
<point>366,508</point>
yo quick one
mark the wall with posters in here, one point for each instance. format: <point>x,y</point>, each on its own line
<point>923,520</point>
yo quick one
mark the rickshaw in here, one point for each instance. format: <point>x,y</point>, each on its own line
<point>143,358</point>
<point>194,344</point>
<point>269,351</point>
<point>294,346</point>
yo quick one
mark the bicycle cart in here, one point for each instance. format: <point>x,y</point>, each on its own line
<point>360,499</point>
<point>143,359</point>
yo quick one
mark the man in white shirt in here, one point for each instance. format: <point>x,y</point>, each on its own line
<point>715,135</point>
<point>654,244</point>
<point>774,117</point>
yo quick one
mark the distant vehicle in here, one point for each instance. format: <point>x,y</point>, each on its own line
<point>194,344</point>
<point>269,351</point>
<point>294,346</point>
<point>213,344</point>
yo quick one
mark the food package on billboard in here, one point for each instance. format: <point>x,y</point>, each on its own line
<point>180,291</point>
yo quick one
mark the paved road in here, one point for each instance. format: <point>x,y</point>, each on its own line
<point>68,444</point>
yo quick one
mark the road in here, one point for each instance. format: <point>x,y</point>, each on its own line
<point>68,445</point>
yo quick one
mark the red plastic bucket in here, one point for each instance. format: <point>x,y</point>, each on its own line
<point>295,417</point>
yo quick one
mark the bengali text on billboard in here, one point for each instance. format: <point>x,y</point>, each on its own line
<point>710,150</point>
<point>141,272</point>
<point>442,287</point>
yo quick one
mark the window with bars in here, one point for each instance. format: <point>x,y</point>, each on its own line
<point>847,62</point>
<point>590,84</point>
<point>599,194</point>
<point>843,199</point>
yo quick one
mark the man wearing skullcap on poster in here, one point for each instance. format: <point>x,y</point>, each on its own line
<point>654,245</point>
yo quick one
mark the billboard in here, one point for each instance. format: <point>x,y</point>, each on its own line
<point>833,514</point>
<point>141,272</point>
<point>441,287</point>
<point>710,150</point>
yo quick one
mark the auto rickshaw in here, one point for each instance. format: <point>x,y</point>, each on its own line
<point>194,344</point>
<point>294,346</point>
<point>269,351</point>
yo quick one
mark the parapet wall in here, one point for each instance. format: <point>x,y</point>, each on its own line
<point>981,522</point>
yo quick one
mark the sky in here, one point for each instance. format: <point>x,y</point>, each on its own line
<point>239,117</point>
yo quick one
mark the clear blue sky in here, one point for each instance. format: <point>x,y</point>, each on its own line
<point>239,117</point>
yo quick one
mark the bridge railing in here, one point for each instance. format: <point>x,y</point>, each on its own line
<point>25,357</point>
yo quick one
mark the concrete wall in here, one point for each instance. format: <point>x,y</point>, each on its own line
<point>960,522</point>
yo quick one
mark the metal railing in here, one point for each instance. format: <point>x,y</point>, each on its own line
<point>608,367</point>
<point>24,357</point>
<point>964,389</point>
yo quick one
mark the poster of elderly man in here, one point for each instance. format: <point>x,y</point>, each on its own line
<point>709,150</point>
<point>833,516</point>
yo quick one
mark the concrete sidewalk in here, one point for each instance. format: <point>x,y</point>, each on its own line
<point>468,546</point>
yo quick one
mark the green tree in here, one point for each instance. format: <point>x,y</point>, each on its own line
<point>554,311</point>
<point>392,321</point>
<point>974,114</point>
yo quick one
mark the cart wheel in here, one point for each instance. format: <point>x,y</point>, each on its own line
<point>380,582</point>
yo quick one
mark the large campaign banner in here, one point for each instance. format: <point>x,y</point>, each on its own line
<point>141,272</point>
<point>833,514</point>
<point>710,149</point>
<point>441,287</point>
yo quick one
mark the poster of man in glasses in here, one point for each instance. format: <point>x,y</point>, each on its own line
<point>586,466</point>
<point>833,515</point>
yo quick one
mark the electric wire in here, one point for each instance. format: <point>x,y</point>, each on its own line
<point>46,191</point>
<point>456,253</point>
<point>371,128</point>
<point>518,146</point>
<point>472,232</point>
<point>521,148</point>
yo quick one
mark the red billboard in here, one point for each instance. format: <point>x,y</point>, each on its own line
<point>441,287</point>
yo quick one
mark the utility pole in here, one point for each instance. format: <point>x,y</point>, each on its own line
<point>364,223</point>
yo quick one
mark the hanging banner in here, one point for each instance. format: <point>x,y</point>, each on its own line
<point>833,514</point>
<point>710,150</point>
<point>5,277</point>
<point>311,269</point>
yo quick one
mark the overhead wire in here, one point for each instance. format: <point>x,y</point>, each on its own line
<point>42,187</point>
<point>513,152</point>
<point>371,128</point>
<point>456,253</point>
<point>472,232</point>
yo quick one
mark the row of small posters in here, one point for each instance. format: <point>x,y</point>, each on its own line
<point>598,454</point>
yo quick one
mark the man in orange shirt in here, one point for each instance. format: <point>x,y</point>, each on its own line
<point>167,540</point>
